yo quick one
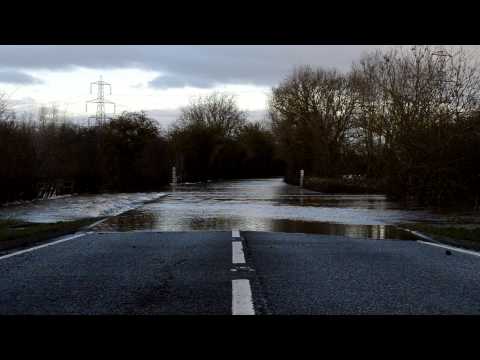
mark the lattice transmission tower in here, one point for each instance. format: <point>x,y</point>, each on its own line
<point>100,117</point>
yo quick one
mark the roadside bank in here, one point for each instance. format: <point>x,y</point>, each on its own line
<point>466,236</point>
<point>348,185</point>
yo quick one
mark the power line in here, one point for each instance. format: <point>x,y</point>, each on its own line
<point>100,117</point>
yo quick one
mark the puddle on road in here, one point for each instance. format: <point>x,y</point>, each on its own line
<point>142,220</point>
<point>376,232</point>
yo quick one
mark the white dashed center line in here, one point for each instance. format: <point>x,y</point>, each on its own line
<point>238,256</point>
<point>242,303</point>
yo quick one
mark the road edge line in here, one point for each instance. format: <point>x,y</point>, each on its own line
<point>416,233</point>
<point>469,252</point>
<point>20,252</point>
<point>97,223</point>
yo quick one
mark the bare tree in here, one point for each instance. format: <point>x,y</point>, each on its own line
<point>217,112</point>
<point>5,112</point>
<point>415,100</point>
<point>312,112</point>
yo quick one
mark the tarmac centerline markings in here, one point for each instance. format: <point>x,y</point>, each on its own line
<point>238,257</point>
<point>242,303</point>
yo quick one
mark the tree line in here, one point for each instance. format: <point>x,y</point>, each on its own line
<point>212,139</point>
<point>50,155</point>
<point>126,154</point>
<point>406,118</point>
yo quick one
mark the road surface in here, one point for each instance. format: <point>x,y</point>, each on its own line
<point>241,273</point>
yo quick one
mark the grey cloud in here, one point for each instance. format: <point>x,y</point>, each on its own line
<point>257,115</point>
<point>23,103</point>
<point>179,81</point>
<point>201,66</point>
<point>164,117</point>
<point>195,65</point>
<point>17,77</point>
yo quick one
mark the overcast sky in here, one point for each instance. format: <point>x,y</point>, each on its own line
<point>158,79</point>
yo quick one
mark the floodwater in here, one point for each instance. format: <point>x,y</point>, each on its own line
<point>255,204</point>
<point>269,205</point>
<point>67,208</point>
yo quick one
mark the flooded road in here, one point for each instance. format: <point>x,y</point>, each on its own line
<point>67,208</point>
<point>269,205</point>
<point>255,204</point>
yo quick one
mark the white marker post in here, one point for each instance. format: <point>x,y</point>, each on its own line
<point>174,176</point>
<point>302,174</point>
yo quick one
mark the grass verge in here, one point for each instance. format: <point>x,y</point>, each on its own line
<point>15,233</point>
<point>342,186</point>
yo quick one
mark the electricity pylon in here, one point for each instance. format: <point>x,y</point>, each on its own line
<point>100,117</point>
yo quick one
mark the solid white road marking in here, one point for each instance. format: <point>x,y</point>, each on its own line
<point>416,233</point>
<point>237,253</point>
<point>242,303</point>
<point>41,246</point>
<point>235,233</point>
<point>97,223</point>
<point>450,248</point>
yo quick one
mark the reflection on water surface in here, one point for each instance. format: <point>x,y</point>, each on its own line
<point>255,204</point>
<point>268,205</point>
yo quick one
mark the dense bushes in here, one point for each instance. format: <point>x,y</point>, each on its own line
<point>17,161</point>
<point>213,140</point>
<point>134,153</point>
<point>348,185</point>
<point>128,153</point>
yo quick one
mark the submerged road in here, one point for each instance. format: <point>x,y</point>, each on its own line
<point>238,273</point>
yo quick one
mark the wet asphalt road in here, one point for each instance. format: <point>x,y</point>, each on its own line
<point>191,273</point>
<point>315,274</point>
<point>122,273</point>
